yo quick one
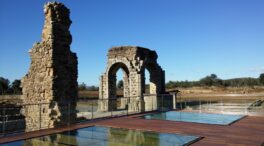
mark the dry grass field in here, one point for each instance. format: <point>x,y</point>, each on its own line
<point>202,92</point>
<point>88,94</point>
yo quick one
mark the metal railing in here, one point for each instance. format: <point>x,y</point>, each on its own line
<point>13,118</point>
<point>224,105</point>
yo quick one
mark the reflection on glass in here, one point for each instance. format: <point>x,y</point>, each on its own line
<point>104,136</point>
<point>219,119</point>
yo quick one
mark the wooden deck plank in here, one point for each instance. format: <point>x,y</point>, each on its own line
<point>247,131</point>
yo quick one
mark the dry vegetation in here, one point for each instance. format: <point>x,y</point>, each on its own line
<point>205,92</point>
<point>223,93</point>
<point>221,90</point>
<point>95,94</point>
<point>88,94</point>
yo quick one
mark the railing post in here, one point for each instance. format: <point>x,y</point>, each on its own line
<point>39,116</point>
<point>185,103</point>
<point>127,105</point>
<point>174,100</point>
<point>161,102</point>
<point>181,104</point>
<point>210,104</point>
<point>207,104</point>
<point>246,106</point>
<point>111,106</point>
<point>69,113</point>
<point>152,102</point>
<point>93,109</point>
<point>200,105</point>
<point>222,105</point>
<point>4,118</point>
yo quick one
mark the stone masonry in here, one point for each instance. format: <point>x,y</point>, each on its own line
<point>50,87</point>
<point>133,61</point>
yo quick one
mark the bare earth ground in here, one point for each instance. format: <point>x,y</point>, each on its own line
<point>202,93</point>
<point>185,93</point>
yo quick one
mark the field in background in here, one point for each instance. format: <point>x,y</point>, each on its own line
<point>190,93</point>
<point>217,90</point>
<point>244,101</point>
<point>201,92</point>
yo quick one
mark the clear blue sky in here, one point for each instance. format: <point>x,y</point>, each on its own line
<point>193,38</point>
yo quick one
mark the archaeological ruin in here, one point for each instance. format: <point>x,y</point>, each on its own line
<point>133,61</point>
<point>50,87</point>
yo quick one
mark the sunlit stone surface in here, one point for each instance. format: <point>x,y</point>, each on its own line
<point>52,77</point>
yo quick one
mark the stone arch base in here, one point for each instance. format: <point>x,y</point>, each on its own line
<point>133,61</point>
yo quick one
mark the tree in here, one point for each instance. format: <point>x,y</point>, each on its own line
<point>15,87</point>
<point>92,88</point>
<point>4,85</point>
<point>82,86</point>
<point>261,78</point>
<point>120,84</point>
<point>211,80</point>
<point>171,85</point>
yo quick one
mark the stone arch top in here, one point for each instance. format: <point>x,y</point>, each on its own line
<point>112,70</point>
<point>134,57</point>
<point>132,53</point>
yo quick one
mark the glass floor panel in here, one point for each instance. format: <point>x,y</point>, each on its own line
<point>105,136</point>
<point>219,119</point>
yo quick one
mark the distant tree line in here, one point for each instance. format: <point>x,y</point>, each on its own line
<point>7,88</point>
<point>84,87</point>
<point>210,80</point>
<point>213,80</point>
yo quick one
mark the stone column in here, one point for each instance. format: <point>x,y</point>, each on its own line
<point>136,102</point>
<point>174,98</point>
<point>103,91</point>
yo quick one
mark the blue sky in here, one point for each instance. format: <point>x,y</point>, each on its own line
<point>193,38</point>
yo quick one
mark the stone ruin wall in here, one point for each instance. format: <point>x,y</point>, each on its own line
<point>52,78</point>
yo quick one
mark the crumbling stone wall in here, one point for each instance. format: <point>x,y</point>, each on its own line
<point>133,61</point>
<point>51,82</point>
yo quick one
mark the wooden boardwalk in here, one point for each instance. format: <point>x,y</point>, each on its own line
<point>248,131</point>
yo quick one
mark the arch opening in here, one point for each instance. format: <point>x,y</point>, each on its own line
<point>150,82</point>
<point>118,93</point>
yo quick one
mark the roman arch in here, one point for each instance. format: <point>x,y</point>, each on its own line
<point>132,61</point>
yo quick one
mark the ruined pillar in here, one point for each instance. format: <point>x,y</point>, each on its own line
<point>50,87</point>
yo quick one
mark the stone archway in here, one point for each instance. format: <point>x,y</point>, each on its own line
<point>156,78</point>
<point>133,61</point>
<point>112,79</point>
